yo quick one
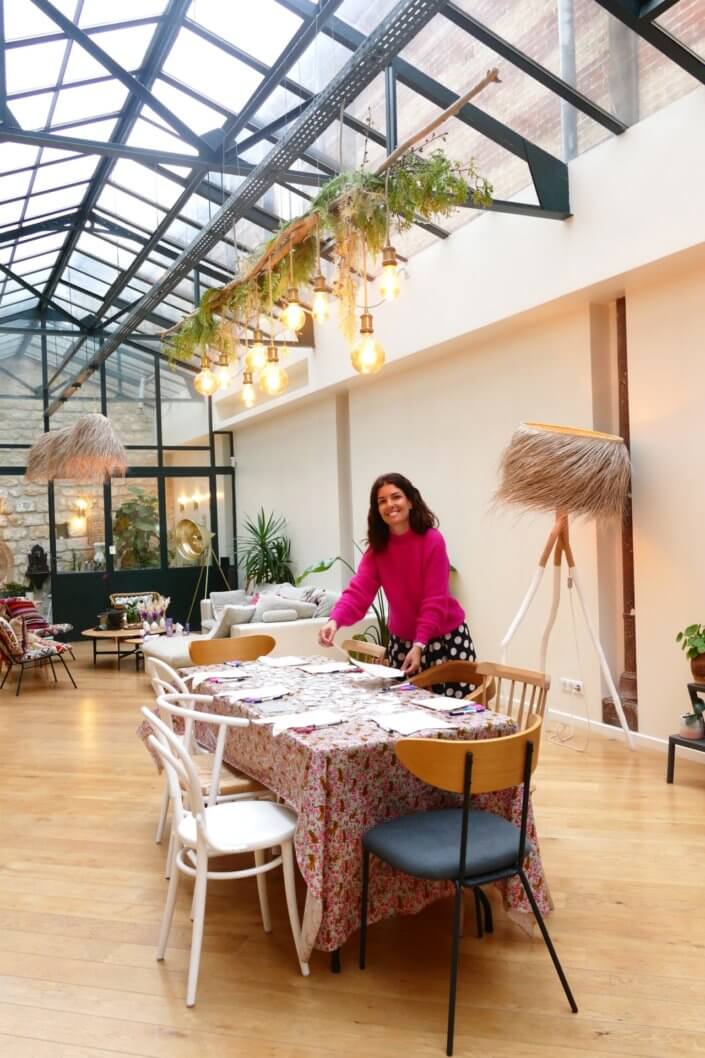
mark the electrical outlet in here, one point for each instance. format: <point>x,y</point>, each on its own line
<point>571,686</point>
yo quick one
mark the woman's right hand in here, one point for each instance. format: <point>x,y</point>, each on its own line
<point>326,634</point>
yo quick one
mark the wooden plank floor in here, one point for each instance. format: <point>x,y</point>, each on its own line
<point>82,887</point>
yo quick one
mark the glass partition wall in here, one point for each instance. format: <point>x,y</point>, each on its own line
<point>167,526</point>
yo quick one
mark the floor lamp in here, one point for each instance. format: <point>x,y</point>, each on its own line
<point>568,472</point>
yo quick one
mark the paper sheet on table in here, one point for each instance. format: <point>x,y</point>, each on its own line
<point>439,703</point>
<point>309,718</point>
<point>197,678</point>
<point>320,668</point>
<point>380,672</point>
<point>281,663</point>
<point>409,721</point>
<point>257,694</point>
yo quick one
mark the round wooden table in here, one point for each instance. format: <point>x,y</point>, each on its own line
<point>130,637</point>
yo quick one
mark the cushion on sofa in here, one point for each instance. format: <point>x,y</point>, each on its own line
<point>220,599</point>
<point>275,602</point>
<point>274,616</point>
<point>290,591</point>
<point>231,615</point>
<point>325,603</point>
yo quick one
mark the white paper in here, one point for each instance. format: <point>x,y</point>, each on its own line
<point>320,668</point>
<point>409,721</point>
<point>257,694</point>
<point>281,663</point>
<point>380,672</point>
<point>439,703</point>
<point>309,718</point>
<point>197,678</point>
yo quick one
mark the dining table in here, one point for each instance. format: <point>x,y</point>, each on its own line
<point>344,777</point>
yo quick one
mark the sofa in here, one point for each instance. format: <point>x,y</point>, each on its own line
<point>292,615</point>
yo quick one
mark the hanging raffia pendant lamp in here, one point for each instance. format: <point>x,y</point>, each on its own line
<point>87,450</point>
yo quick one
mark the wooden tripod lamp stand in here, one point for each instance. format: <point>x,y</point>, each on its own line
<point>565,471</point>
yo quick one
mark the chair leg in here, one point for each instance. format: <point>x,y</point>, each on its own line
<point>68,670</point>
<point>549,943</point>
<point>199,912</point>
<point>168,912</point>
<point>19,680</point>
<point>487,908</point>
<point>163,812</point>
<point>53,670</point>
<point>290,891</point>
<point>170,866</point>
<point>262,892</point>
<point>455,953</point>
<point>478,912</point>
<point>363,909</point>
<point>7,673</point>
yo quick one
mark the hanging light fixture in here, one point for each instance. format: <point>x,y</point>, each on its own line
<point>321,309</point>
<point>367,354</point>
<point>205,381</point>
<point>249,393</point>
<point>273,378</point>
<point>293,315</point>
<point>389,285</point>
<point>224,371</point>
<point>257,355</point>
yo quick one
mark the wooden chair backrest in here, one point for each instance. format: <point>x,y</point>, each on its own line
<point>459,672</point>
<point>497,763</point>
<point>367,651</point>
<point>518,693</point>
<point>239,648</point>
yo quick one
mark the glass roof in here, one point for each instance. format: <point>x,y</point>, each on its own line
<point>99,187</point>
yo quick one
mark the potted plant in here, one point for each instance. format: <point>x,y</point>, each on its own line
<point>12,588</point>
<point>693,724</point>
<point>264,551</point>
<point>692,641</point>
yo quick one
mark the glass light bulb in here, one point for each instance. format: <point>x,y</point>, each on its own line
<point>273,379</point>
<point>321,308</point>
<point>389,283</point>
<point>205,382</point>
<point>224,374</point>
<point>248,394</point>
<point>257,356</point>
<point>293,316</point>
<point>367,355</point>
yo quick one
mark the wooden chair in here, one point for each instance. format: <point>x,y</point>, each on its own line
<point>466,846</point>
<point>367,651</point>
<point>206,830</point>
<point>239,648</point>
<point>515,692</point>
<point>459,672</point>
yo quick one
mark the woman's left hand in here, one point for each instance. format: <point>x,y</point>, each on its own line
<point>412,662</point>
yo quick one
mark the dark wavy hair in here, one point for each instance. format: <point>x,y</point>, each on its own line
<point>421,517</point>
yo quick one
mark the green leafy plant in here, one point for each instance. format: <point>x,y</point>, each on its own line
<point>136,531</point>
<point>264,550</point>
<point>692,640</point>
<point>377,633</point>
<point>13,587</point>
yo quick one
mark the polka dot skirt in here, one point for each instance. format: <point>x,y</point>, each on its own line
<point>453,646</point>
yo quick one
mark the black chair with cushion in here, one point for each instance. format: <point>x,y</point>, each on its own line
<point>466,846</point>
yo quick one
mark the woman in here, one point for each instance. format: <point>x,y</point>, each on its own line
<point>407,558</point>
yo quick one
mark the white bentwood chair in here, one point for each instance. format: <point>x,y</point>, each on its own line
<point>219,829</point>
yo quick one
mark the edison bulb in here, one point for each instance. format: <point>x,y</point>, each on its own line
<point>273,379</point>
<point>389,283</point>
<point>321,309</point>
<point>257,355</point>
<point>249,394</point>
<point>293,315</point>
<point>205,382</point>
<point>223,374</point>
<point>367,355</point>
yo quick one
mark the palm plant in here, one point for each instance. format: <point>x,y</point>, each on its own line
<point>264,550</point>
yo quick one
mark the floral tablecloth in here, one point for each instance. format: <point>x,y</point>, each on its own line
<point>343,779</point>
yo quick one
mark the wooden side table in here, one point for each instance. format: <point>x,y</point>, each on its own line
<point>694,690</point>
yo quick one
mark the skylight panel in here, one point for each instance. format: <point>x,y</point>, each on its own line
<point>37,278</point>
<point>319,64</point>
<point>263,30</point>
<point>89,282</point>
<point>125,46</point>
<point>10,213</point>
<point>54,201</point>
<point>10,310</point>
<point>197,115</point>
<point>94,12</point>
<point>23,19</point>
<point>123,204</point>
<point>211,71</point>
<point>33,66</point>
<point>77,299</point>
<point>31,264</point>
<point>33,112</point>
<point>16,156</point>
<point>366,16</point>
<point>70,171</point>
<point>34,246</point>
<point>146,135</point>
<point>89,101</point>
<point>105,272</point>
<point>13,186</point>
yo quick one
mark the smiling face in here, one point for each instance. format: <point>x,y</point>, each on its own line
<point>394,507</point>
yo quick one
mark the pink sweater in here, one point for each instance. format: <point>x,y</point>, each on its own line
<point>413,571</point>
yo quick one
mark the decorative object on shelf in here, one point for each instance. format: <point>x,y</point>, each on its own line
<point>190,540</point>
<point>99,555</point>
<point>37,567</point>
<point>264,550</point>
<point>565,470</point>
<point>357,211</point>
<point>692,726</point>
<point>692,641</point>
<point>87,450</point>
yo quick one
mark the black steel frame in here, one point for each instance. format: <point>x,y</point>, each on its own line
<point>463,881</point>
<point>6,659</point>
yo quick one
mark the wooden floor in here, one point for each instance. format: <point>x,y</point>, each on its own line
<point>81,892</point>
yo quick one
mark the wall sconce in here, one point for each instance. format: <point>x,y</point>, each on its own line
<point>182,501</point>
<point>79,522</point>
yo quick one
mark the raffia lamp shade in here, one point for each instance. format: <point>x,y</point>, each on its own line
<point>87,450</point>
<point>565,469</point>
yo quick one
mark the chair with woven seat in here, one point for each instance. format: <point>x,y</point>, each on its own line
<point>241,648</point>
<point>216,776</point>
<point>466,846</point>
<point>215,830</point>
<point>18,606</point>
<point>36,653</point>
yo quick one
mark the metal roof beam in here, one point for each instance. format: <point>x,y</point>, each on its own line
<point>6,115</point>
<point>539,73</point>
<point>36,293</point>
<point>638,20</point>
<point>22,231</point>
<point>654,8</point>
<point>266,131</point>
<point>106,27</point>
<point>393,33</point>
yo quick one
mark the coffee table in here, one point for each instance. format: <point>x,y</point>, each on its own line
<point>129,637</point>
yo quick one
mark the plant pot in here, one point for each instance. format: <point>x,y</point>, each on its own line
<point>692,726</point>
<point>697,667</point>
